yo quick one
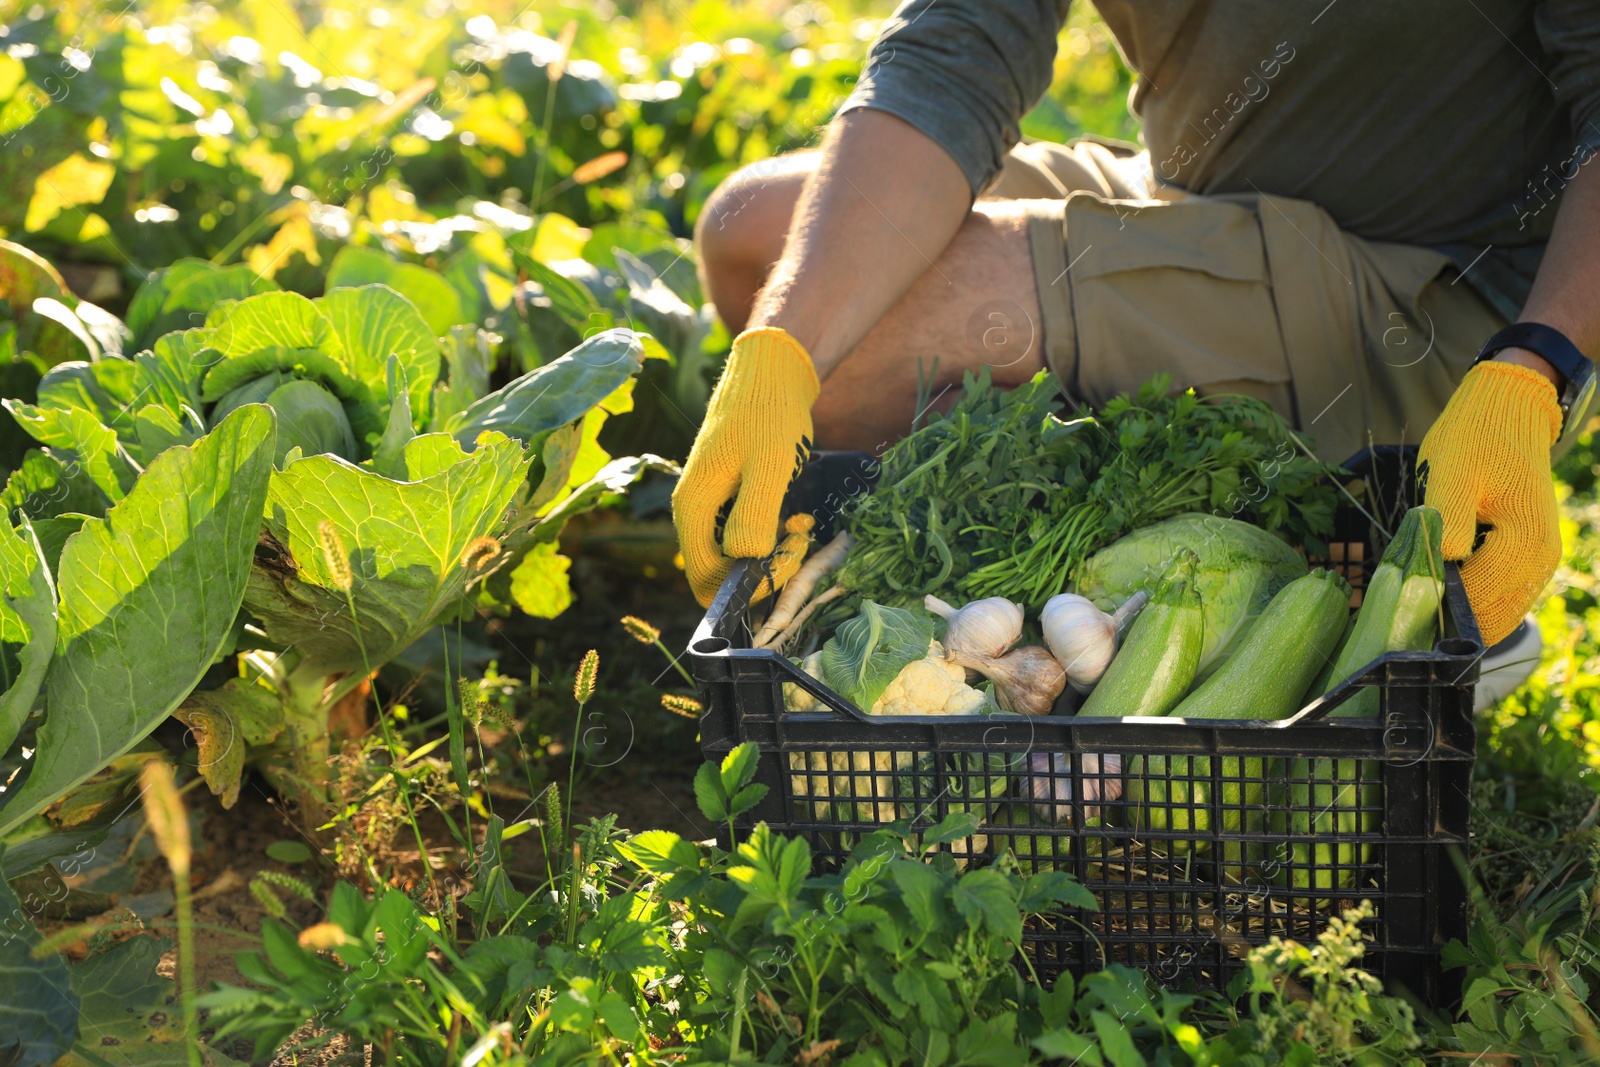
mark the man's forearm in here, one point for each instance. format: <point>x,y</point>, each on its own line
<point>880,208</point>
<point>1569,276</point>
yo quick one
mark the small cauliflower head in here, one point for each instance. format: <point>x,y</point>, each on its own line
<point>930,686</point>
<point>797,699</point>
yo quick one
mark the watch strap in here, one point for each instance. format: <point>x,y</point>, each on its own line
<point>1549,343</point>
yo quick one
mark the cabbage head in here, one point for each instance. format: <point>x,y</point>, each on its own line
<point>1241,568</point>
<point>307,390</point>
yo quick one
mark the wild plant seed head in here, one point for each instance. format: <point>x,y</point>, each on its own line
<point>333,553</point>
<point>583,686</point>
<point>163,809</point>
<point>323,936</point>
<point>269,901</point>
<point>640,630</point>
<point>688,707</point>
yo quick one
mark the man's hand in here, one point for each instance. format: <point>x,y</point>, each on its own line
<point>1488,459</point>
<point>755,438</point>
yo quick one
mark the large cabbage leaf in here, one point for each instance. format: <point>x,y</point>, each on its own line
<point>866,653</point>
<point>38,1008</point>
<point>81,434</point>
<point>147,597</point>
<point>407,543</point>
<point>1241,567</point>
<point>557,393</point>
<point>180,296</point>
<point>27,626</point>
<point>434,297</point>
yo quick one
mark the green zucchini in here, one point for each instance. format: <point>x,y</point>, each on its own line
<point>1399,612</point>
<point>1400,608</point>
<point>1016,827</point>
<point>1268,676</point>
<point>1161,653</point>
<point>1265,678</point>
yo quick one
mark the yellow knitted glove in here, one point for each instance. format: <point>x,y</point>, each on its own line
<point>755,438</point>
<point>1488,460</point>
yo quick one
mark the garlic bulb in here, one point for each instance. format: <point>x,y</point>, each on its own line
<point>1082,637</point>
<point>1026,680</point>
<point>984,628</point>
<point>1051,774</point>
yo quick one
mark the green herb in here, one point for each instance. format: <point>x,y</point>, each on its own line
<point>1003,498</point>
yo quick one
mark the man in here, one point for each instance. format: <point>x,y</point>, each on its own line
<point>1340,204</point>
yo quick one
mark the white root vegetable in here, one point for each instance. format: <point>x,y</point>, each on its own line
<point>1082,637</point>
<point>792,607</point>
<point>1026,680</point>
<point>1051,786</point>
<point>987,627</point>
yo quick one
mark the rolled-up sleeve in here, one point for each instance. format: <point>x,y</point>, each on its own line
<point>1569,32</point>
<point>964,72</point>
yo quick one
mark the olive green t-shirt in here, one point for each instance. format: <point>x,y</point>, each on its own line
<point>1452,124</point>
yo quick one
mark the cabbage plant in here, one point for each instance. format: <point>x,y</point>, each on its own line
<point>279,484</point>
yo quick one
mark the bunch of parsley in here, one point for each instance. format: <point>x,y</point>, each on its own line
<point>1003,497</point>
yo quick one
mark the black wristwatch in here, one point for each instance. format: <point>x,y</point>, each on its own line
<point>1576,370</point>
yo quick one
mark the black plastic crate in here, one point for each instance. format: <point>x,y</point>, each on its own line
<point>1228,833</point>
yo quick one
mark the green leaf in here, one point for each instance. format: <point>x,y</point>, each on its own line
<point>153,292</point>
<point>866,653</point>
<point>739,766</point>
<point>614,477</point>
<point>985,898</point>
<point>555,394</point>
<point>27,626</point>
<point>1115,1041</point>
<point>660,852</point>
<point>78,430</point>
<point>921,987</point>
<point>539,584</point>
<point>110,390</point>
<point>177,363</point>
<point>406,543</point>
<point>1055,1005</point>
<point>373,323</point>
<point>148,596</point>
<point>1045,889</point>
<point>617,1013</point>
<point>746,799</point>
<point>1071,1047</point>
<point>469,358</point>
<point>435,298</point>
<point>920,888</point>
<point>38,1008</point>
<point>429,454</point>
<point>289,851</point>
<point>953,827</point>
<point>310,419</point>
<point>43,488</point>
<point>572,1010</point>
<point>708,793</point>
<point>271,320</point>
<point>388,458</point>
<point>568,299</point>
<point>122,996</point>
<point>191,298</point>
